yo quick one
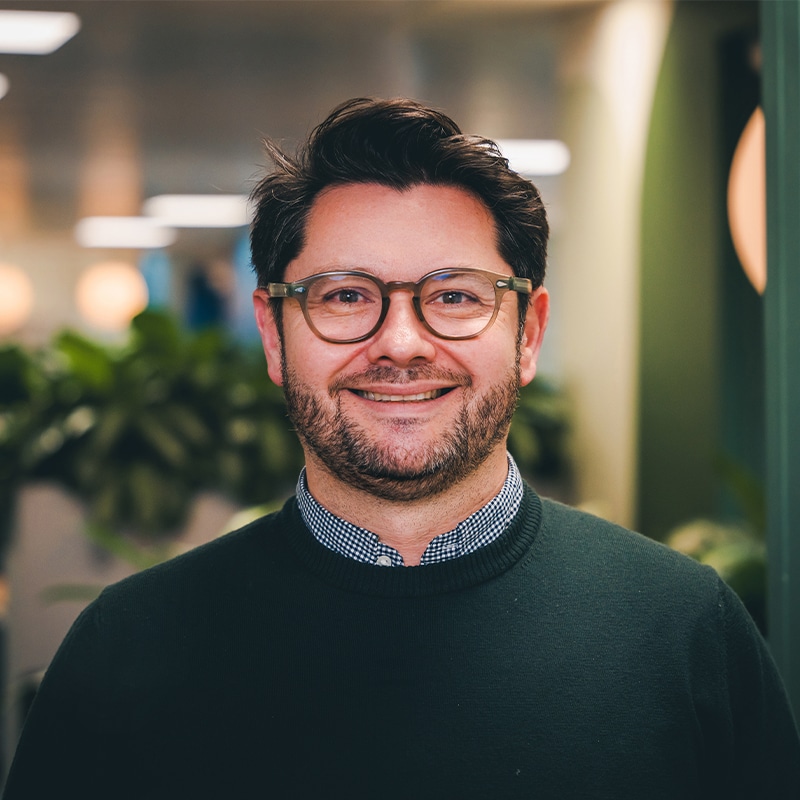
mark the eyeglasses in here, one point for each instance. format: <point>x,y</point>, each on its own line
<point>346,307</point>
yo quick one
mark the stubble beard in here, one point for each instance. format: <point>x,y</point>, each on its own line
<point>397,466</point>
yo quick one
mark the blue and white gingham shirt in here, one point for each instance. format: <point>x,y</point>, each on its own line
<point>476,531</point>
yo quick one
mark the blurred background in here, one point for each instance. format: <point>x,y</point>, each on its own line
<point>123,442</point>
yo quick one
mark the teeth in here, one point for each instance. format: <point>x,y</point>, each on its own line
<point>401,398</point>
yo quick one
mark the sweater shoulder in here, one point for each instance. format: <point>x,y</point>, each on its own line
<point>622,559</point>
<point>235,558</point>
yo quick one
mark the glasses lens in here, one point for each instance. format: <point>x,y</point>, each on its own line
<point>458,303</point>
<point>343,307</point>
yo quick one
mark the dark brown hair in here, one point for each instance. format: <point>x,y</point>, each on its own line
<point>397,143</point>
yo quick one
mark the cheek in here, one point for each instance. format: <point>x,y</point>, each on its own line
<point>493,361</point>
<point>315,363</point>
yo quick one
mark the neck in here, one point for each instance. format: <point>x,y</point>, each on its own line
<point>410,525</point>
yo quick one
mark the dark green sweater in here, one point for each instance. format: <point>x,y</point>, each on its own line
<point>568,659</point>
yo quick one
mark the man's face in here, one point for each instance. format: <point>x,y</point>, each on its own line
<point>405,414</point>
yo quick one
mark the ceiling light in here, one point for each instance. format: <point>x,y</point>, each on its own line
<point>36,32</point>
<point>127,232</point>
<point>199,210</point>
<point>3,85</point>
<point>535,157</point>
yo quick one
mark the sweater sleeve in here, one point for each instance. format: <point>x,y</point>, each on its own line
<point>766,748</point>
<point>65,749</point>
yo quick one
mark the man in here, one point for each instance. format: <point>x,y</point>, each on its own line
<point>416,622</point>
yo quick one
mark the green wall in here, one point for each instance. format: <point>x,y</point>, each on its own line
<point>781,28</point>
<point>684,424</point>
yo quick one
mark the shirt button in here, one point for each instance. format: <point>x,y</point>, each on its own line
<point>384,561</point>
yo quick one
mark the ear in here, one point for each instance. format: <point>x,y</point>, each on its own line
<point>533,333</point>
<point>270,335</point>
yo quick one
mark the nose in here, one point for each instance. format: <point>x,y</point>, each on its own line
<point>402,339</point>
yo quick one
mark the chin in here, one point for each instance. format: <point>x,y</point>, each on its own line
<point>402,474</point>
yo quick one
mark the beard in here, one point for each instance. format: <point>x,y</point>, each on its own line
<point>404,463</point>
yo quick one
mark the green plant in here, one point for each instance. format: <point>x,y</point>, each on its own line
<point>537,438</point>
<point>135,431</point>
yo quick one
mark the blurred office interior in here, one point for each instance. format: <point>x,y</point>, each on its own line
<point>656,344</point>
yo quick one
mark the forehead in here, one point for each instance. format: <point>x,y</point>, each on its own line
<point>397,234</point>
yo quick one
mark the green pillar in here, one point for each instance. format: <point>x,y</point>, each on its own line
<point>780,30</point>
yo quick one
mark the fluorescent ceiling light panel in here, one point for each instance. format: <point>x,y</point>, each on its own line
<point>535,157</point>
<point>36,32</point>
<point>3,85</point>
<point>126,232</point>
<point>199,210</point>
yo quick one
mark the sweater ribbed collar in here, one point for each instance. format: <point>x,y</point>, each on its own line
<point>480,566</point>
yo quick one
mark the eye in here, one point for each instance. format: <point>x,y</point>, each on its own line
<point>458,293</point>
<point>346,297</point>
<point>454,297</point>
<point>337,297</point>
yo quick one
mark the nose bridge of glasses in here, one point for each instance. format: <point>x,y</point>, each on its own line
<point>402,286</point>
<point>386,289</point>
<point>399,286</point>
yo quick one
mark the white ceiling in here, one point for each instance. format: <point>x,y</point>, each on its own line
<point>155,96</point>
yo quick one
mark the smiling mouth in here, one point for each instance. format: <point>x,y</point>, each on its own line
<point>400,398</point>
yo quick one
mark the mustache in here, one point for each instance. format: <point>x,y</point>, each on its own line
<point>386,374</point>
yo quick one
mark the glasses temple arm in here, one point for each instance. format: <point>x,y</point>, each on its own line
<point>518,284</point>
<point>280,289</point>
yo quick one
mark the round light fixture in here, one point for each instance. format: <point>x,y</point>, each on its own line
<point>16,298</point>
<point>747,201</point>
<point>110,294</point>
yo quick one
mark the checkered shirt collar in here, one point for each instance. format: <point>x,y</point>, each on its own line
<point>476,531</point>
